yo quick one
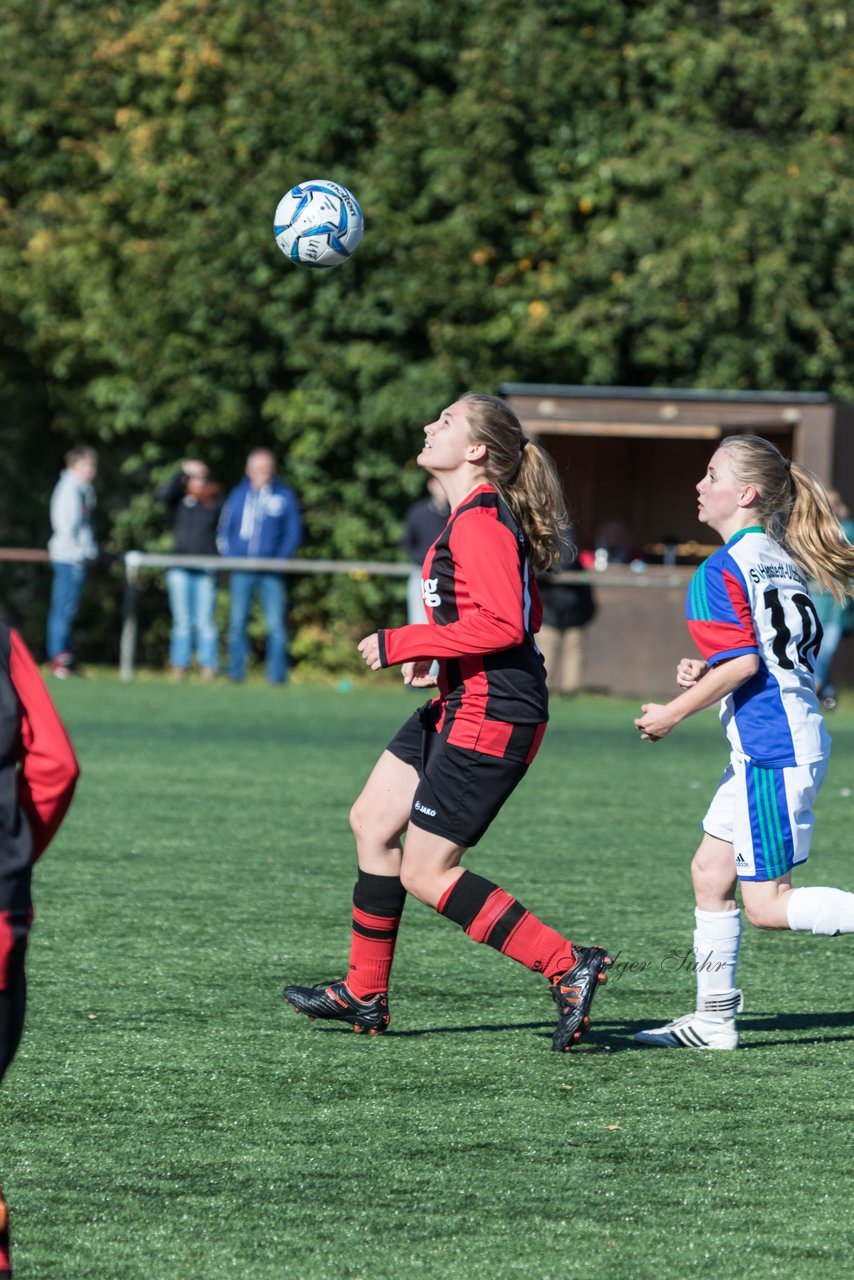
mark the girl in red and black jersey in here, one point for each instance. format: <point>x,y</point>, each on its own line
<point>446,774</point>
<point>38,773</point>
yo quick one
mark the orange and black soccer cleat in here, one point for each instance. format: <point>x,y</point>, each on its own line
<point>338,1003</point>
<point>573,993</point>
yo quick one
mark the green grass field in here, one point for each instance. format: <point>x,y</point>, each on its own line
<point>169,1118</point>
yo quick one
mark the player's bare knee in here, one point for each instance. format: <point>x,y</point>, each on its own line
<point>413,880</point>
<point>408,879</point>
<point>707,876</point>
<point>363,818</point>
<point>698,871</point>
<point>355,818</point>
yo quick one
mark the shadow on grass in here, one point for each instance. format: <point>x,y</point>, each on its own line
<point>790,1023</point>
<point>486,1027</point>
<point>823,1025</point>
<point>616,1037</point>
<point>596,1040</point>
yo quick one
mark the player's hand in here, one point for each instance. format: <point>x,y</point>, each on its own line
<point>369,648</point>
<point>655,722</point>
<point>417,674</point>
<point>689,672</point>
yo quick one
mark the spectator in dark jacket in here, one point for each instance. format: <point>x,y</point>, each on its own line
<point>261,518</point>
<point>196,504</point>
<point>567,609</point>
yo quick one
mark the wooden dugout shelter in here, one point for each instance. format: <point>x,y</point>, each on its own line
<point>634,455</point>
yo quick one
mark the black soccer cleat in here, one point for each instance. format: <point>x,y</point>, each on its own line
<point>573,994</point>
<point>338,1003</point>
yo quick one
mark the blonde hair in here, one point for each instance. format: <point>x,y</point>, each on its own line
<point>795,510</point>
<point>522,472</point>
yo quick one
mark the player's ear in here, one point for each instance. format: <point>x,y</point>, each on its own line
<point>748,496</point>
<point>476,451</point>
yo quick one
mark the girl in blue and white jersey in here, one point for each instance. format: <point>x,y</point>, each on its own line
<point>752,619</point>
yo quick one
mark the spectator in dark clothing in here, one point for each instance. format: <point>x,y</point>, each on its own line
<point>567,609</point>
<point>196,504</point>
<point>425,520</point>
<point>261,518</point>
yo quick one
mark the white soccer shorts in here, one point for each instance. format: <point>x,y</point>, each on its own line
<point>766,815</point>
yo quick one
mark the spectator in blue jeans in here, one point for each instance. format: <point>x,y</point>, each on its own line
<point>261,519</point>
<point>71,547</point>
<point>196,504</point>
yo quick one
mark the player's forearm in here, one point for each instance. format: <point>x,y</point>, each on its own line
<point>479,633</point>
<point>716,683</point>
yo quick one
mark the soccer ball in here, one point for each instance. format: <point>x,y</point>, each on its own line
<point>318,224</point>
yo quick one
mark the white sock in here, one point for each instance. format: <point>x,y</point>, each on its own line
<point>818,910</point>
<point>717,938</point>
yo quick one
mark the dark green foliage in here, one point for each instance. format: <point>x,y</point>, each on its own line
<point>656,194</point>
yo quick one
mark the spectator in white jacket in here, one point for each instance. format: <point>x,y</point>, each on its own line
<point>71,547</point>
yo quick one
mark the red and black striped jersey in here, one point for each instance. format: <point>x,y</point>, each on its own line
<point>483,608</point>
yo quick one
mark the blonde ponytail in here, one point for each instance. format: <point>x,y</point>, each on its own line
<point>815,536</point>
<point>523,473</point>
<point>795,509</point>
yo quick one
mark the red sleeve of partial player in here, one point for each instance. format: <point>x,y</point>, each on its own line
<point>49,769</point>
<point>487,556</point>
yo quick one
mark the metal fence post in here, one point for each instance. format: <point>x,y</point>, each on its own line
<point>130,617</point>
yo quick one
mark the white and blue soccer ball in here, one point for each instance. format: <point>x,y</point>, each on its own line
<point>318,224</point>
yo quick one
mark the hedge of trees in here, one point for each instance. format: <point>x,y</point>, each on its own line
<point>580,191</point>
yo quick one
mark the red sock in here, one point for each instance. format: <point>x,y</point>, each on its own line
<point>377,907</point>
<point>490,915</point>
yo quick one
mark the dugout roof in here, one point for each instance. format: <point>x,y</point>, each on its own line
<point>634,454</point>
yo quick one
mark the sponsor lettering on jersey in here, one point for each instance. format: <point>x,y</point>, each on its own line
<point>762,572</point>
<point>430,593</point>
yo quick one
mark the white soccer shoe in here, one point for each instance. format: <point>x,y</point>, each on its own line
<point>694,1031</point>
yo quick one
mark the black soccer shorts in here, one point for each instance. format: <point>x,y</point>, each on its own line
<point>459,791</point>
